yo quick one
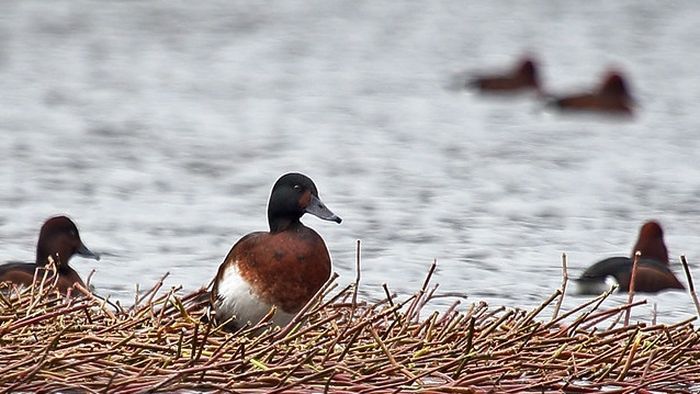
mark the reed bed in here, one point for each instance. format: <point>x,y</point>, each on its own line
<point>165,342</point>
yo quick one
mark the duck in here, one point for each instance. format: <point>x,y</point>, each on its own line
<point>59,240</point>
<point>283,267</point>
<point>653,271</point>
<point>611,97</point>
<point>521,78</point>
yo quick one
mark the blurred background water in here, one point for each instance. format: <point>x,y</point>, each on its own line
<point>160,127</point>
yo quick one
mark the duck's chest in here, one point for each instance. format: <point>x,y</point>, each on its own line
<point>285,269</point>
<point>288,250</point>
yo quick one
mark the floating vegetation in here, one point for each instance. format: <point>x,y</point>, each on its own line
<point>164,343</point>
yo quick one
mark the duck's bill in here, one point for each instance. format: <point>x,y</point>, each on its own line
<point>87,253</point>
<point>317,208</point>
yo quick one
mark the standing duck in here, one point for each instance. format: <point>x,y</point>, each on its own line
<point>60,240</point>
<point>653,272</point>
<point>284,267</point>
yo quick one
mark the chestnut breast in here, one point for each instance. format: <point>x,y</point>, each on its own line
<point>284,268</point>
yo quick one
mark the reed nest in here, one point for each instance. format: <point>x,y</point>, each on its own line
<point>337,343</point>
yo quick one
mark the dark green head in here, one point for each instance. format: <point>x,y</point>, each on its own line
<point>292,196</point>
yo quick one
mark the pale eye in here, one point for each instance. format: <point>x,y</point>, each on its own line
<point>297,187</point>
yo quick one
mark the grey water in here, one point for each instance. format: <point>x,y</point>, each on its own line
<point>160,127</point>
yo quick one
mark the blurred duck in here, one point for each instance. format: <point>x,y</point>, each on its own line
<point>653,272</point>
<point>284,267</point>
<point>612,97</point>
<point>523,77</point>
<point>60,240</point>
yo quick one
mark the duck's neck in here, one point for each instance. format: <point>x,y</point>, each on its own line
<point>283,223</point>
<point>42,258</point>
<point>653,250</point>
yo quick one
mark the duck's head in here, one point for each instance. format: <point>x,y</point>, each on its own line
<point>615,85</point>
<point>292,196</point>
<point>528,70</point>
<point>59,238</point>
<point>651,242</point>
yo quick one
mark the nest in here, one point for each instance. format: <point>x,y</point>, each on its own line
<point>337,343</point>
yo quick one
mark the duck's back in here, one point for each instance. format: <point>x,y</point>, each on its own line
<point>578,101</point>
<point>652,276</point>
<point>17,273</point>
<point>22,274</point>
<point>497,83</point>
<point>594,102</point>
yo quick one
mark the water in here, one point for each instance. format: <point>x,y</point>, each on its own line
<point>160,128</point>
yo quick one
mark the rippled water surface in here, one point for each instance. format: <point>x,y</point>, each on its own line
<point>160,128</point>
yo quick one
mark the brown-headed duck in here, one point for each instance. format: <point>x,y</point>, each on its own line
<point>284,267</point>
<point>60,240</point>
<point>523,77</point>
<point>612,97</point>
<point>653,272</point>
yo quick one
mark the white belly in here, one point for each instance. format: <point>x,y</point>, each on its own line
<point>236,297</point>
<point>595,287</point>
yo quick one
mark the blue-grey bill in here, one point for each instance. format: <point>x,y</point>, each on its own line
<point>317,208</point>
<point>85,252</point>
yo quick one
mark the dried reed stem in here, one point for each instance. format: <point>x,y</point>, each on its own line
<point>337,343</point>
<point>691,285</point>
<point>633,281</point>
<point>564,281</point>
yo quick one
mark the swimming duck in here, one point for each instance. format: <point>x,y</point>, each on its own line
<point>60,240</point>
<point>611,97</point>
<point>284,267</point>
<point>523,77</point>
<point>653,272</point>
